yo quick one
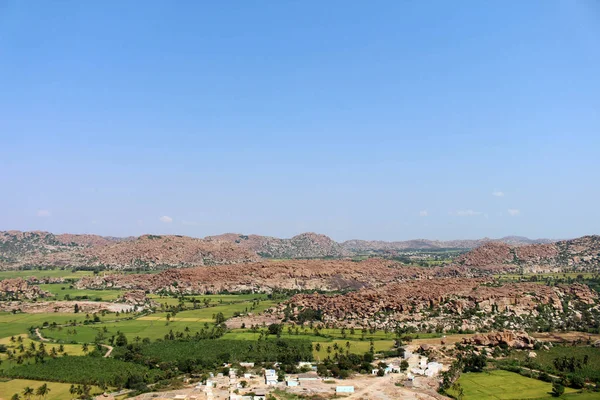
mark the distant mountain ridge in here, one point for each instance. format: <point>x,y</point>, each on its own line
<point>425,244</point>
<point>21,249</point>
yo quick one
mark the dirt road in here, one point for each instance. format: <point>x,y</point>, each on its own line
<point>108,348</point>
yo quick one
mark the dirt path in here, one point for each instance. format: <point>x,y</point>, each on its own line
<point>39,335</point>
<point>108,348</point>
<point>384,389</point>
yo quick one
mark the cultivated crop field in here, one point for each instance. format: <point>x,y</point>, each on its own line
<point>15,324</point>
<point>58,391</point>
<point>356,347</point>
<point>154,326</point>
<point>212,299</point>
<point>589,370</point>
<point>61,290</point>
<point>499,384</point>
<point>45,273</point>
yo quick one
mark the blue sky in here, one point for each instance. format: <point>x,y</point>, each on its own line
<point>376,120</point>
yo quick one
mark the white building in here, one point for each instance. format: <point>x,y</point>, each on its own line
<point>247,364</point>
<point>433,368</point>
<point>270,377</point>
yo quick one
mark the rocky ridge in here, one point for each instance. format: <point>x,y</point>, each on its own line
<point>581,254</point>
<point>265,276</point>
<point>41,249</point>
<point>450,303</point>
<point>305,245</point>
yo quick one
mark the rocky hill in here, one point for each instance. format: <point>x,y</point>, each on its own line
<point>22,249</point>
<point>167,251</point>
<point>312,245</point>
<point>32,249</point>
<point>305,245</point>
<point>265,276</point>
<point>581,254</point>
<point>451,303</point>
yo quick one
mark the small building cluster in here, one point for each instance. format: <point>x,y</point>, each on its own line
<point>425,369</point>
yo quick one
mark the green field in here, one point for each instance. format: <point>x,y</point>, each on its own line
<point>60,290</point>
<point>356,346</point>
<point>545,358</point>
<point>214,299</point>
<point>70,349</point>
<point>58,391</point>
<point>46,273</point>
<point>154,326</point>
<point>499,384</point>
<point>15,324</point>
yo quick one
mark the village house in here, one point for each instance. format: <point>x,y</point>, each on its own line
<point>270,377</point>
<point>308,376</point>
<point>247,364</point>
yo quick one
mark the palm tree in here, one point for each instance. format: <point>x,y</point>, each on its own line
<point>28,392</point>
<point>73,390</point>
<point>43,390</point>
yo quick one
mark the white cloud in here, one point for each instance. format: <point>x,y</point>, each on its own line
<point>498,193</point>
<point>423,213</point>
<point>513,212</point>
<point>468,213</point>
<point>43,213</point>
<point>166,219</point>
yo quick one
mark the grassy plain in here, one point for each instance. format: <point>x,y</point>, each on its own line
<point>58,391</point>
<point>504,385</point>
<point>45,273</point>
<point>60,290</point>
<point>214,299</point>
<point>154,326</point>
<point>15,324</point>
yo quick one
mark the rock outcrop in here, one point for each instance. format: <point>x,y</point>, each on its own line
<point>516,340</point>
<point>20,289</point>
<point>581,254</point>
